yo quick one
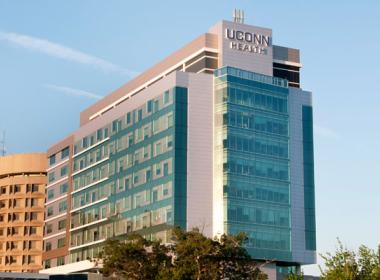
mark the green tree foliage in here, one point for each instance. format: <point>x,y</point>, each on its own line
<point>294,276</point>
<point>349,265</point>
<point>191,257</point>
<point>136,259</point>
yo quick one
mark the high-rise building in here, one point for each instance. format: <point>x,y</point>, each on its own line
<point>219,136</point>
<point>22,195</point>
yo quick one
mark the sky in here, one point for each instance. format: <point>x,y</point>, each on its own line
<point>59,57</point>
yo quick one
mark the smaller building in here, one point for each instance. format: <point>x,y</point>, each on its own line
<point>22,196</point>
<point>39,276</point>
<point>311,277</point>
<point>23,276</point>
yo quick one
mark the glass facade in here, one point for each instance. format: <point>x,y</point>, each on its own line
<point>308,175</point>
<point>130,175</point>
<point>252,155</point>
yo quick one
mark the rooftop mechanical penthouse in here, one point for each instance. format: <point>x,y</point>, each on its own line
<point>218,135</point>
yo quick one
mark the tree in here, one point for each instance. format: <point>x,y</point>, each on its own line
<point>198,257</point>
<point>235,262</point>
<point>191,257</point>
<point>294,276</point>
<point>347,265</point>
<point>135,259</point>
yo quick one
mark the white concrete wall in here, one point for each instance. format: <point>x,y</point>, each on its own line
<point>199,150</point>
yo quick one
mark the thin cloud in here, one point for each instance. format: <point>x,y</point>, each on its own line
<point>73,91</point>
<point>325,132</point>
<point>62,52</point>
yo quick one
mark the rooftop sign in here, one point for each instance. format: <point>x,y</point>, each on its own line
<point>248,41</point>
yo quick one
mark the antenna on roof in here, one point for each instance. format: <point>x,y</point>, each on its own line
<point>2,143</point>
<point>238,16</point>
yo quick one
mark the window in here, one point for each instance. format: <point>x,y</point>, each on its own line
<point>33,202</point>
<point>12,259</point>
<point>63,188</point>
<point>16,202</point>
<point>156,105</point>
<point>33,216</point>
<point>128,117</point>
<point>61,224</point>
<point>170,142</point>
<point>17,188</point>
<point>158,169</point>
<point>48,246</point>
<point>60,261</point>
<point>170,120</point>
<point>126,183</point>
<point>148,175</point>
<point>61,242</point>
<point>15,216</point>
<point>166,97</point>
<point>166,169</point>
<point>49,228</point>
<point>15,231</point>
<point>13,245</point>
<point>146,132</point>
<point>99,135</point>
<point>84,142</point>
<point>114,126</point>
<point>50,194</point>
<point>50,211</point>
<point>149,106</point>
<point>155,196</point>
<point>32,230</point>
<point>65,152</point>
<point>52,160</point>
<point>146,151</point>
<point>158,149</point>
<point>64,171</point>
<point>31,259</point>
<point>62,206</point>
<point>139,115</point>
<point>51,177</point>
<point>47,264</point>
<point>3,190</point>
<point>130,141</point>
<point>34,188</point>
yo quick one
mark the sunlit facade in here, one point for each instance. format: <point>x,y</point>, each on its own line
<point>22,186</point>
<point>217,136</point>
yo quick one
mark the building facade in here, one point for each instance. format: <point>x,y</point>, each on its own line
<point>58,204</point>
<point>22,195</point>
<point>217,136</point>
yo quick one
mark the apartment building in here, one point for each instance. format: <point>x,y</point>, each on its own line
<point>22,195</point>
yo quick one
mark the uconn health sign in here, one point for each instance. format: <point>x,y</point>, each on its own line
<point>248,41</point>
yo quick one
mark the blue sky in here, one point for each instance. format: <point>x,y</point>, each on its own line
<point>58,57</point>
